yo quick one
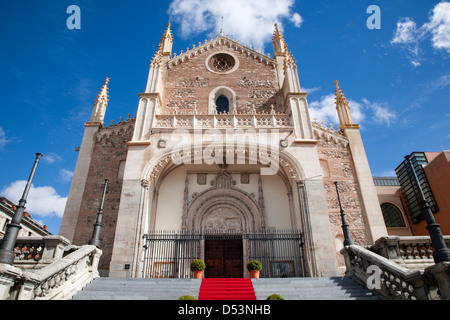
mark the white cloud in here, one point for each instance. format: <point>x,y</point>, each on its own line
<point>250,21</point>
<point>51,158</point>
<point>381,113</point>
<point>3,139</point>
<point>406,32</point>
<point>325,110</point>
<point>310,90</point>
<point>41,201</point>
<point>408,35</point>
<point>439,26</point>
<point>66,175</point>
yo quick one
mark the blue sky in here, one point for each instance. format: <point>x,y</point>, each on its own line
<point>397,78</point>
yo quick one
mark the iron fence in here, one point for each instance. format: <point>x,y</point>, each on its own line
<point>168,254</point>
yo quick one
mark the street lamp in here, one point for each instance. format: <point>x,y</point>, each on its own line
<point>441,253</point>
<point>95,240</point>
<point>9,240</point>
<point>347,237</point>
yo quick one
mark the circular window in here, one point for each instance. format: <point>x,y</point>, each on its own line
<point>221,63</point>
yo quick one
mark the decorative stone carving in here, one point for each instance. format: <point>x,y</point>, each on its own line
<point>223,219</point>
<point>245,178</point>
<point>201,178</point>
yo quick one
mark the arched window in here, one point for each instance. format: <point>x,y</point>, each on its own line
<point>392,215</point>
<point>222,104</point>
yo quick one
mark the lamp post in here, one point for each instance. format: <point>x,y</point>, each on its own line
<point>347,237</point>
<point>95,240</point>
<point>9,240</point>
<point>441,253</point>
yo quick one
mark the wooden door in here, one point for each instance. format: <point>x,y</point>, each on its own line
<point>224,258</point>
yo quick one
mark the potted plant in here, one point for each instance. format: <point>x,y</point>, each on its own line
<point>254,267</point>
<point>197,266</point>
<point>186,297</point>
<point>274,297</point>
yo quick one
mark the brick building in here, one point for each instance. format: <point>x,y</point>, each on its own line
<point>222,162</point>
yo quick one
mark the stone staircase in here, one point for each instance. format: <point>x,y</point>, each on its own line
<point>326,288</point>
<point>334,288</point>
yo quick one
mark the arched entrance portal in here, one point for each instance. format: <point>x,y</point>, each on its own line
<point>223,213</point>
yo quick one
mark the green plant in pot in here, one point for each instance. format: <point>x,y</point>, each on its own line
<point>254,267</point>
<point>197,266</point>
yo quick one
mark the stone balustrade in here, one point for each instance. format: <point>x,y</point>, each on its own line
<point>413,251</point>
<point>37,252</point>
<point>397,282</point>
<point>227,120</point>
<point>48,269</point>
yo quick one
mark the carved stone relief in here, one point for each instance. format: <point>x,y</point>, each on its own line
<point>223,219</point>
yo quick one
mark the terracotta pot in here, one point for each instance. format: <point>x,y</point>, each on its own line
<point>255,274</point>
<point>198,274</point>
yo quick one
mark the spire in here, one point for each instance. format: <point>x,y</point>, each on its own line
<point>343,109</point>
<point>164,47</point>
<point>279,45</point>
<point>100,104</point>
<point>103,94</point>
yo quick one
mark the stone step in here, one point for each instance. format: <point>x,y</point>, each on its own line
<point>334,288</point>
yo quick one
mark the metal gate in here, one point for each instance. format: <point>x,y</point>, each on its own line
<point>168,254</point>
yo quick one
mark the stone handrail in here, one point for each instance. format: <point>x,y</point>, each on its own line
<point>37,252</point>
<point>406,250</point>
<point>59,280</point>
<point>396,282</point>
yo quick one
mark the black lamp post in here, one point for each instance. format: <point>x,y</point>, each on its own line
<point>95,240</point>
<point>347,237</point>
<point>9,240</point>
<point>441,253</point>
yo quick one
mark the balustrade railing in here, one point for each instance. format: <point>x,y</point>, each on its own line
<point>404,266</point>
<point>48,268</point>
<point>227,120</point>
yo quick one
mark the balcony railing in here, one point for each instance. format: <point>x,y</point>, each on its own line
<point>226,120</point>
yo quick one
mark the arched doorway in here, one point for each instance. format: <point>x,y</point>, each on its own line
<point>222,214</point>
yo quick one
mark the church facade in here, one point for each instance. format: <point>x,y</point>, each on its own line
<point>223,163</point>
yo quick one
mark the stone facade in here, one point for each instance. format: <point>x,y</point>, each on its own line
<point>278,172</point>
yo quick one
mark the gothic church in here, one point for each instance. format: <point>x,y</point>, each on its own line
<point>223,163</point>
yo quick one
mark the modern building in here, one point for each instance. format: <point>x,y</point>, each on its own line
<point>399,196</point>
<point>222,162</point>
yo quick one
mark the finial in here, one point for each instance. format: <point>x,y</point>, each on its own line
<point>340,99</point>
<point>221,29</point>
<point>103,94</point>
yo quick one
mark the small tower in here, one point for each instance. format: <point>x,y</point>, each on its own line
<point>100,104</point>
<point>369,198</point>
<point>295,99</point>
<point>78,185</point>
<point>165,45</point>
<point>343,109</point>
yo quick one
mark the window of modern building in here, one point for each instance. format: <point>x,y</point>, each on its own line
<point>392,215</point>
<point>411,193</point>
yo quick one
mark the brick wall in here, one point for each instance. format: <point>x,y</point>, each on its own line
<point>110,151</point>
<point>190,83</point>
